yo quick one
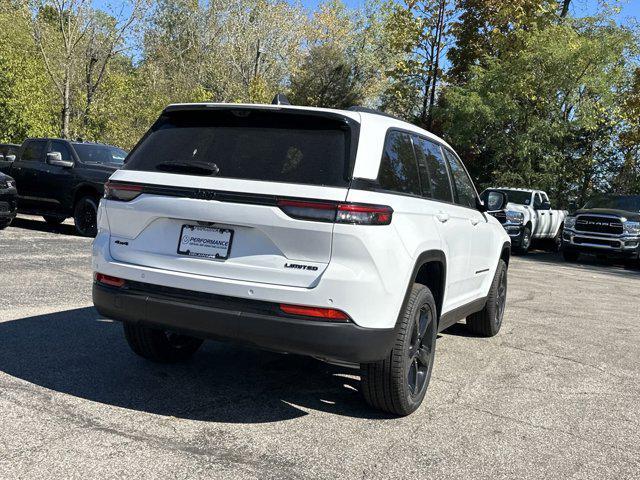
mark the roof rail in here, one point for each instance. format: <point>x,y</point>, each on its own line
<point>357,108</point>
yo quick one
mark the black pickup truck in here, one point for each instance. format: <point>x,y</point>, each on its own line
<point>58,179</point>
<point>608,225</point>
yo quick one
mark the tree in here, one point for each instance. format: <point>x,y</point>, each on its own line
<point>345,59</point>
<point>483,25</point>
<point>546,115</point>
<point>73,37</point>
<point>417,32</point>
<point>26,100</point>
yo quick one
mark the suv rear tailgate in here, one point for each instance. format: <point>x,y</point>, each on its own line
<point>267,245</point>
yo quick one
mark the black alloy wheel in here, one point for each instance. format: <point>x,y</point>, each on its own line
<point>420,355</point>
<point>398,383</point>
<point>86,216</point>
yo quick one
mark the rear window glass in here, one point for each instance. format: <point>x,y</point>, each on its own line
<point>248,144</point>
<point>34,150</point>
<point>105,154</point>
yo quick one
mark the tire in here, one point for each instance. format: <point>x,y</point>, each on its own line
<point>85,216</point>
<point>53,221</point>
<point>557,240</point>
<point>398,383</point>
<point>526,242</point>
<point>4,225</point>
<point>570,256</point>
<point>487,322</point>
<point>159,345</point>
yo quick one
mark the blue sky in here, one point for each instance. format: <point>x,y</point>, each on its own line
<point>630,8</point>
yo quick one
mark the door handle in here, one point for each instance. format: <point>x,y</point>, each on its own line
<point>442,217</point>
<point>474,221</point>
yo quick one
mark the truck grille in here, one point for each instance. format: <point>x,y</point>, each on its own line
<point>501,216</point>
<point>599,224</point>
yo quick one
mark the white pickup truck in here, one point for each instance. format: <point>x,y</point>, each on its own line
<point>528,216</point>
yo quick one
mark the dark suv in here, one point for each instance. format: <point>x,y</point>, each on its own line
<point>8,153</point>
<point>58,179</point>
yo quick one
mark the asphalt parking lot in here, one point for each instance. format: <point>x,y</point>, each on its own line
<point>554,395</point>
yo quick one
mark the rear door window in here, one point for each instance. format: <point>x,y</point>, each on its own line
<point>465,191</point>
<point>398,168</point>
<point>434,168</point>
<point>34,151</point>
<point>249,144</point>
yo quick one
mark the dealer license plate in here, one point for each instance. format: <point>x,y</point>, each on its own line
<point>205,242</point>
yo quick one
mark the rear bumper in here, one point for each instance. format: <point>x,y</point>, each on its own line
<point>233,319</point>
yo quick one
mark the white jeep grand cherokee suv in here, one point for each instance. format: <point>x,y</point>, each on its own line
<point>349,236</point>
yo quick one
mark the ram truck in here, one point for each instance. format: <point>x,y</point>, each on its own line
<point>607,225</point>
<point>528,217</point>
<point>58,179</point>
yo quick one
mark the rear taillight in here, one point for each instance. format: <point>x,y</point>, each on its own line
<point>123,192</point>
<point>316,312</point>
<point>364,214</point>
<point>352,213</point>
<point>109,280</point>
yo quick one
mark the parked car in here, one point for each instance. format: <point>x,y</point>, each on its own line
<point>348,236</point>
<point>8,153</point>
<point>607,225</point>
<point>59,178</point>
<point>8,200</point>
<point>528,216</point>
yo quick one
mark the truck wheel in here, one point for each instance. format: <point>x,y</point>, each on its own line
<point>557,241</point>
<point>159,345</point>
<point>570,256</point>
<point>526,242</point>
<point>53,221</point>
<point>487,322</point>
<point>398,383</point>
<point>85,216</point>
<point>4,225</point>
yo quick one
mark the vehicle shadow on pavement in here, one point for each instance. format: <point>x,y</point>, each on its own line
<point>42,226</point>
<point>78,353</point>
<point>586,263</point>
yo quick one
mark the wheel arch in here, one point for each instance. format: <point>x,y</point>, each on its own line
<point>84,190</point>
<point>505,253</point>
<point>430,270</point>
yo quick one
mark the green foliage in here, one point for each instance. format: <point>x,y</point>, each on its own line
<point>26,104</point>
<point>346,59</point>
<point>529,98</point>
<point>546,114</point>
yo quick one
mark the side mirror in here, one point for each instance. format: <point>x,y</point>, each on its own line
<point>55,158</point>
<point>10,158</point>
<point>493,201</point>
<point>573,206</point>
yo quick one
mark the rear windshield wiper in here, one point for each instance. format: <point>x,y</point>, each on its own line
<point>194,168</point>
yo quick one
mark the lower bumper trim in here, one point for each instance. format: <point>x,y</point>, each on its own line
<point>345,342</point>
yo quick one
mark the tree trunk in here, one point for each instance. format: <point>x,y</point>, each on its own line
<point>436,63</point>
<point>565,8</point>
<point>66,106</point>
